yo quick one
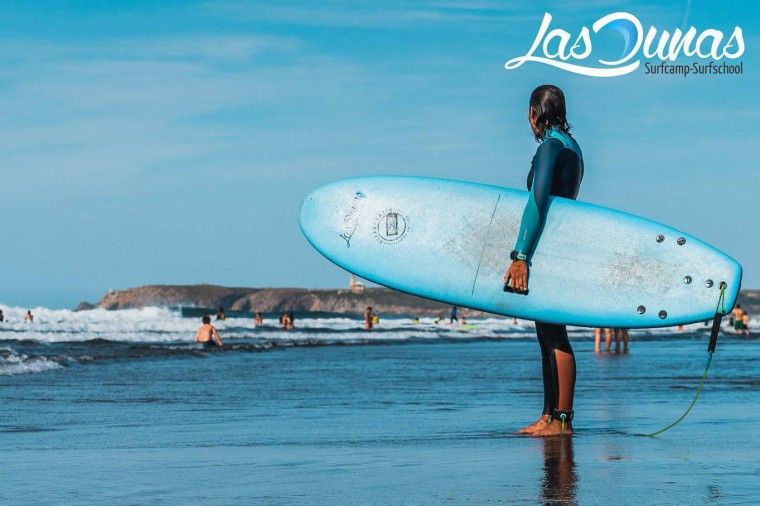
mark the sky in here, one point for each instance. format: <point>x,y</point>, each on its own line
<point>173,142</point>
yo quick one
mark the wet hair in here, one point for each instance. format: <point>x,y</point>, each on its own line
<point>206,319</point>
<point>547,102</point>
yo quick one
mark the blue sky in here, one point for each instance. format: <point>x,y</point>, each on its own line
<point>172,142</point>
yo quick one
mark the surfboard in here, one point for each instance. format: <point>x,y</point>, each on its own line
<point>450,241</point>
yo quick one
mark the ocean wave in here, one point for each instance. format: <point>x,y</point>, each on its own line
<point>12,363</point>
<point>167,326</point>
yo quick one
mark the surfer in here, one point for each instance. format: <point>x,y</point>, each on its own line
<point>286,321</point>
<point>2,316</point>
<point>737,315</point>
<point>207,334</point>
<point>259,320</point>
<point>453,315</point>
<point>220,314</point>
<point>29,316</point>
<point>290,320</point>
<point>369,319</point>
<point>557,169</point>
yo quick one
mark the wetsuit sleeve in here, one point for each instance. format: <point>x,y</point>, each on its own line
<point>534,214</point>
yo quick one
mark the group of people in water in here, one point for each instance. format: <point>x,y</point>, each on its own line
<point>609,333</point>
<point>29,317</point>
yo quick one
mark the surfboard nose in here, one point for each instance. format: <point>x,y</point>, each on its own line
<point>317,215</point>
<point>306,214</point>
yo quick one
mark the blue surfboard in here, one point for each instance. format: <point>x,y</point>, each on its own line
<point>450,241</point>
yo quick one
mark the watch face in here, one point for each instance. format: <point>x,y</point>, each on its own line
<point>513,255</point>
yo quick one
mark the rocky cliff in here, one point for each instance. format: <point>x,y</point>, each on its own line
<point>383,300</point>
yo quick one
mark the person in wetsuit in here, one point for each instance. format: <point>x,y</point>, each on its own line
<point>557,169</point>
<point>207,334</point>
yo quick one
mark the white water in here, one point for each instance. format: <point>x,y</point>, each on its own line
<point>18,363</point>
<point>160,325</point>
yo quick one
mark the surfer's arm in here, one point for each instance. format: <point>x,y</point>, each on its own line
<point>534,214</point>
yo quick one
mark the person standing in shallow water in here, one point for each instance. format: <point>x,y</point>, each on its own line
<point>557,169</point>
<point>207,334</point>
<point>29,316</point>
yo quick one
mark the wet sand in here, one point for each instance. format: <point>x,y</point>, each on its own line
<point>401,423</point>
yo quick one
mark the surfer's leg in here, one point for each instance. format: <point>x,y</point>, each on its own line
<point>550,383</point>
<point>550,396</point>
<point>562,367</point>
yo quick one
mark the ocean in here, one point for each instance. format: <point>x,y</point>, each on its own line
<point>122,407</point>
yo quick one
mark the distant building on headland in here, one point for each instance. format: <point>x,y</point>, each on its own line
<point>355,286</point>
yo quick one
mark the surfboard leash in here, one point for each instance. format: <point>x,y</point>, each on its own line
<point>720,312</point>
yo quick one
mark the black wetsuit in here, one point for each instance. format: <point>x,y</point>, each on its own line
<point>557,169</point>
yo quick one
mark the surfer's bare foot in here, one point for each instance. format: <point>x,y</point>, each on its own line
<point>537,425</point>
<point>554,428</point>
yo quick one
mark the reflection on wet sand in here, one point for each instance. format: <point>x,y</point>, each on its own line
<point>560,479</point>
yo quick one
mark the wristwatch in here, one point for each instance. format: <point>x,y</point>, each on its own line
<point>516,255</point>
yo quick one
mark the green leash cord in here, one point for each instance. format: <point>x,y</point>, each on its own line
<point>693,402</point>
<point>720,311</point>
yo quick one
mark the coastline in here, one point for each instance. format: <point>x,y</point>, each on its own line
<point>271,300</point>
<point>302,300</point>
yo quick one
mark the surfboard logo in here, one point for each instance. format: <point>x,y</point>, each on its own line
<point>350,219</point>
<point>390,226</point>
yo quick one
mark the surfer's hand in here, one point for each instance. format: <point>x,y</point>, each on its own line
<point>517,276</point>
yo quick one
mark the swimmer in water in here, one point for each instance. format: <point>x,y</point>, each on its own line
<point>207,334</point>
<point>29,316</point>
<point>556,170</point>
<point>738,314</point>
<point>259,320</point>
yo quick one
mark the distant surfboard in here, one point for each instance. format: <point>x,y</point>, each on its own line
<point>450,241</point>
